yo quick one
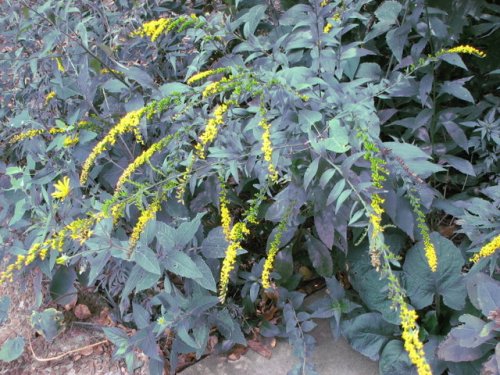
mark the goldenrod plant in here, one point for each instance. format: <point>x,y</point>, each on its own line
<point>202,166</point>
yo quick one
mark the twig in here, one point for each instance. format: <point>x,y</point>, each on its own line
<point>65,353</point>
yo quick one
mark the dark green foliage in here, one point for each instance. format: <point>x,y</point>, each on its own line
<point>377,73</point>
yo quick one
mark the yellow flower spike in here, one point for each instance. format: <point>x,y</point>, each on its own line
<point>51,95</point>
<point>237,235</point>
<point>145,216</point>
<point>71,141</point>
<point>271,255</point>
<point>152,29</point>
<point>142,159</point>
<point>267,149</point>
<point>466,49</point>
<point>129,122</point>
<point>207,73</point>
<point>212,129</point>
<point>412,343</point>
<point>225,215</point>
<point>487,250</point>
<point>62,188</point>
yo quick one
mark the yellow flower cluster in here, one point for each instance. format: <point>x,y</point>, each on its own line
<point>378,173</point>
<point>487,250</point>
<point>466,49</point>
<point>376,217</point>
<point>212,129</point>
<point>60,65</point>
<point>107,71</point>
<point>129,122</point>
<point>141,159</point>
<point>71,141</point>
<point>207,73</point>
<point>33,133</point>
<point>237,235</point>
<point>79,230</point>
<point>182,182</point>
<point>328,27</point>
<point>324,3</point>
<point>51,95</point>
<point>62,188</point>
<point>144,218</point>
<point>267,149</point>
<point>271,255</point>
<point>430,250</point>
<point>152,29</point>
<point>412,343</point>
<point>225,215</point>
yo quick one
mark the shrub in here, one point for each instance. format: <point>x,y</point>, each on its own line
<point>190,150</point>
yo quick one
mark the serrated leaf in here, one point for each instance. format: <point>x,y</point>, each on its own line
<point>215,244</point>
<point>338,141</point>
<point>147,259</point>
<point>207,280</point>
<point>388,12</point>
<point>181,264</point>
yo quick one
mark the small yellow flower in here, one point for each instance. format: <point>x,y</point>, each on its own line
<point>238,233</point>
<point>463,49</point>
<point>60,65</point>
<point>202,75</point>
<point>267,149</point>
<point>212,129</point>
<point>412,343</point>
<point>62,260</point>
<point>328,27</point>
<point>152,29</point>
<point>271,255</point>
<point>51,95</point>
<point>62,188</point>
<point>145,216</point>
<point>487,250</point>
<point>71,141</point>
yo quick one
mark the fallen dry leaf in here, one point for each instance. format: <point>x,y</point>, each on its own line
<point>260,348</point>
<point>82,312</point>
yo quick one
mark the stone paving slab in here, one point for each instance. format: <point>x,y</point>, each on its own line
<point>329,357</point>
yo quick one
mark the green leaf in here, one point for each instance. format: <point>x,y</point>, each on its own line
<point>215,244</point>
<point>62,289</point>
<point>147,259</point>
<point>388,12</point>
<point>395,361</point>
<point>484,292</point>
<point>4,308</point>
<point>49,323</point>
<point>320,256</point>
<point>368,283</point>
<point>311,172</point>
<point>338,140</point>
<point>12,349</point>
<point>368,333</point>
<point>456,89</point>
<point>422,284</point>
<point>182,265</point>
<point>207,280</point>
